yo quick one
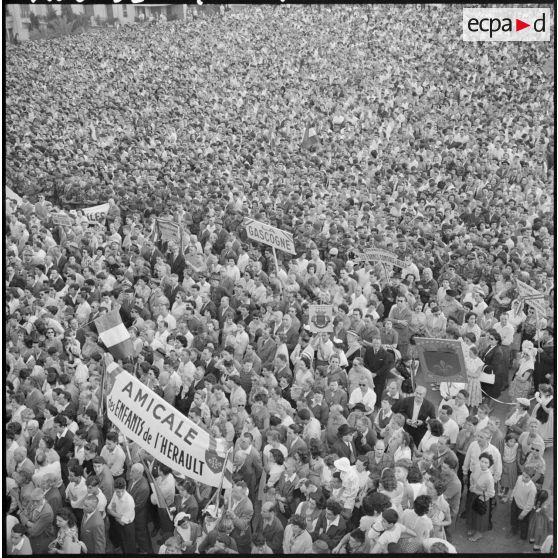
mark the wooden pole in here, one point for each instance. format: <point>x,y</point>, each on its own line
<point>277,268</point>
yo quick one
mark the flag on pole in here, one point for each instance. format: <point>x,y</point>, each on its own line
<point>161,502</point>
<point>310,137</point>
<point>114,335</point>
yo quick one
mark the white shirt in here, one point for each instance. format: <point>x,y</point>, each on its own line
<point>79,490</point>
<point>125,506</point>
<point>451,430</point>
<point>416,409</point>
<point>368,398</point>
<point>506,333</point>
<point>460,413</point>
<point>350,487</point>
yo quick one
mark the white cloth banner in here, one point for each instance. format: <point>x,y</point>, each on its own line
<point>165,433</point>
<point>97,213</point>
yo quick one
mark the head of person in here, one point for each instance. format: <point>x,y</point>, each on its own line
<point>333,510</point>
<point>420,394</point>
<point>119,487</point>
<point>422,504</point>
<point>389,518</point>
<point>65,518</point>
<point>485,461</point>
<point>356,540</point>
<point>18,532</point>
<point>99,464</point>
<point>173,546</point>
<point>484,437</point>
<point>298,524</point>
<point>436,427</point>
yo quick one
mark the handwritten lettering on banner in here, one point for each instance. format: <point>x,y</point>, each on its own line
<point>168,230</point>
<point>532,297</point>
<point>282,240</point>
<point>378,255</point>
<point>165,433</point>
<point>97,213</point>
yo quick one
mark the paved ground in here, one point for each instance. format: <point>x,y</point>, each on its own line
<point>498,540</point>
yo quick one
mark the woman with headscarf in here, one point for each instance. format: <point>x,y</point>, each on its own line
<point>522,383</point>
<point>187,532</point>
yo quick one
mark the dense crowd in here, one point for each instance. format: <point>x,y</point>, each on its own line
<point>436,150</point>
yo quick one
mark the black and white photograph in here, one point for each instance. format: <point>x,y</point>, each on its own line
<point>279,278</point>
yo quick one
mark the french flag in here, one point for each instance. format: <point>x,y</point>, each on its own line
<point>114,335</point>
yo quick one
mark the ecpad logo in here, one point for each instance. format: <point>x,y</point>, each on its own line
<point>506,24</point>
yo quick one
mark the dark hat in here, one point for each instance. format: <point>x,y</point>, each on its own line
<point>359,407</point>
<point>451,292</point>
<point>345,429</point>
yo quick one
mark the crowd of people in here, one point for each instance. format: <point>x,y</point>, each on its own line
<point>436,150</point>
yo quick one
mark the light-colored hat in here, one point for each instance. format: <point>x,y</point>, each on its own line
<point>212,511</point>
<point>179,517</point>
<point>343,464</point>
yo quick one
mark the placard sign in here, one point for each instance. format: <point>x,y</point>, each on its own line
<point>442,359</point>
<point>320,318</point>
<point>379,255</point>
<point>282,240</point>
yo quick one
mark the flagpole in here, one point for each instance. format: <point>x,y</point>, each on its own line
<point>223,476</point>
<point>277,268</point>
<point>160,498</point>
<point>219,488</point>
<point>103,383</point>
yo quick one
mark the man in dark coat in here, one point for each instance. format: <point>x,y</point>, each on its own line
<point>344,446</point>
<point>379,362</point>
<point>249,464</point>
<point>272,529</point>
<point>92,530</point>
<point>416,411</point>
<point>331,527</point>
<point>138,488</point>
<point>63,444</point>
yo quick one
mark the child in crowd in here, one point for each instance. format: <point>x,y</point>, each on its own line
<point>509,466</point>
<point>539,523</point>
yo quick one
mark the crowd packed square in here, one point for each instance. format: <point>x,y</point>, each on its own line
<point>351,128</point>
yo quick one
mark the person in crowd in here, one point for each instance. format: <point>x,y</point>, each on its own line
<point>92,531</point>
<point>522,500</point>
<point>18,544</point>
<point>416,410</point>
<point>154,206</point>
<point>480,498</point>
